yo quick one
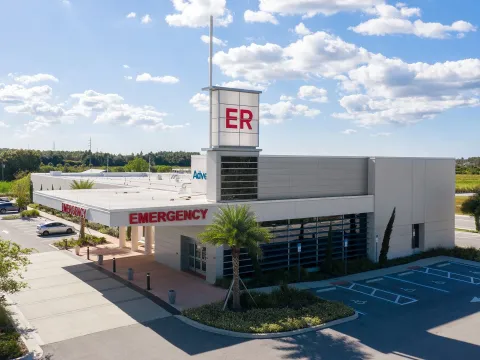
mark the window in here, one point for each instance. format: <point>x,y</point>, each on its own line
<point>415,236</point>
<point>239,178</point>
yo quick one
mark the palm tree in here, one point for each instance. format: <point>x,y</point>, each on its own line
<point>82,185</point>
<point>237,228</point>
<point>471,206</point>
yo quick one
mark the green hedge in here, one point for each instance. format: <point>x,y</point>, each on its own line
<point>29,213</point>
<point>281,310</point>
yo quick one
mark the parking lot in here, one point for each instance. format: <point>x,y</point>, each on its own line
<point>23,232</point>
<point>423,310</point>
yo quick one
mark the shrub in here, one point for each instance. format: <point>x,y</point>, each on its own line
<point>34,206</point>
<point>30,213</point>
<point>11,217</point>
<point>89,240</point>
<point>281,310</point>
<point>9,345</point>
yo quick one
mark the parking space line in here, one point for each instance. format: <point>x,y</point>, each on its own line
<point>325,289</point>
<point>467,265</point>
<point>374,280</point>
<point>374,290</point>
<point>448,275</point>
<point>406,273</point>
<point>442,265</point>
<point>415,283</point>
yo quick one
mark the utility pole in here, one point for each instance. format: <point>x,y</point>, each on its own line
<point>149,164</point>
<point>3,167</point>
<point>107,163</point>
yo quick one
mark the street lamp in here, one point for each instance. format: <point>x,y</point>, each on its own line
<point>299,250</point>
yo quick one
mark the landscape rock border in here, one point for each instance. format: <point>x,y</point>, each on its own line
<point>224,332</point>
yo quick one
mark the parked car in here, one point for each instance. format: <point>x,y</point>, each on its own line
<point>53,227</point>
<point>4,199</point>
<point>8,206</point>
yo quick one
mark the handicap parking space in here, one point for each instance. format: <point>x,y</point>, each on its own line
<point>458,268</point>
<point>448,273</point>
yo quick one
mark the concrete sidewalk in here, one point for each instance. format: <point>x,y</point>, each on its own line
<point>66,298</point>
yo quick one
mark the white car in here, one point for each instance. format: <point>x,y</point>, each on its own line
<point>54,227</point>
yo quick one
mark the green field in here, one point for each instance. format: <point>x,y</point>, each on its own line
<point>467,183</point>
<point>5,187</point>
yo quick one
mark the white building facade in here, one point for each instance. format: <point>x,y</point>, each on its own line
<point>297,197</point>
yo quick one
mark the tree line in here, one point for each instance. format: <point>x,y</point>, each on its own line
<point>468,166</point>
<point>19,162</point>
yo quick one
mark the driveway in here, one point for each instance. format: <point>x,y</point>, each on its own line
<point>464,222</point>
<point>66,299</point>
<point>467,239</point>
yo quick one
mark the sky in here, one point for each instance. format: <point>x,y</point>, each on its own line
<point>338,77</point>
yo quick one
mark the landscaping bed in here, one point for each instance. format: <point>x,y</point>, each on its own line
<point>89,240</point>
<point>25,214</point>
<point>281,310</point>
<point>11,345</point>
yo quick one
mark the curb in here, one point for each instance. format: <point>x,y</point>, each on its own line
<point>28,334</point>
<point>218,331</point>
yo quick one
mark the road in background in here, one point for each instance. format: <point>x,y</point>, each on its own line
<point>466,239</point>
<point>464,222</point>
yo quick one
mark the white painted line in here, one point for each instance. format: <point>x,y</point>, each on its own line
<point>372,294</point>
<point>362,313</point>
<point>442,265</point>
<point>415,283</point>
<point>475,299</point>
<point>359,302</point>
<point>373,280</point>
<point>406,273</point>
<point>468,265</point>
<point>5,231</point>
<point>325,289</point>
<point>448,277</point>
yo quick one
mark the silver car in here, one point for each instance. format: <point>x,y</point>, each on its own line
<point>8,206</point>
<point>54,227</point>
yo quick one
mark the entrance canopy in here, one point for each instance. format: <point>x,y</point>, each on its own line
<point>141,206</point>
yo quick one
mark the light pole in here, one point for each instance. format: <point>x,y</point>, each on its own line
<point>3,167</point>
<point>299,251</point>
<point>376,248</point>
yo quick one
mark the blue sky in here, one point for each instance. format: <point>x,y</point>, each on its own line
<point>367,77</point>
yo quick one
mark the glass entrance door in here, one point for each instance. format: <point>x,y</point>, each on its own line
<point>197,257</point>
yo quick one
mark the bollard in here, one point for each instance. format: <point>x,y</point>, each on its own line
<point>130,274</point>
<point>171,296</point>
<point>114,264</point>
<point>100,259</point>
<point>66,244</point>
<point>88,252</point>
<point>148,282</point>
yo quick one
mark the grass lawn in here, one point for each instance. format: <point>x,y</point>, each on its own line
<point>5,187</point>
<point>467,183</point>
<point>285,309</point>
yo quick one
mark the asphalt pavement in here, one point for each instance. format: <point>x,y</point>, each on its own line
<point>23,232</point>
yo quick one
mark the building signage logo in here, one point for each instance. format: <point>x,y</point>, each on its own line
<point>74,210</point>
<point>235,117</point>
<point>199,175</point>
<point>167,216</point>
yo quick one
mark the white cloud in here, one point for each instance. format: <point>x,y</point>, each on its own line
<point>238,84</point>
<point>259,16</point>
<point>131,15</point>
<point>111,109</point>
<point>196,13</point>
<point>201,102</point>
<point>146,19</point>
<point>349,131</point>
<point>284,110</point>
<point>312,93</point>
<point>216,41</point>
<point>318,54</point>
<point>126,67</point>
<point>128,77</point>
<point>302,30</point>
<point>2,124</point>
<point>66,2</point>
<point>19,94</point>
<point>394,20</point>
<point>30,79</point>
<point>381,134</point>
<point>286,98</point>
<point>146,77</point>
<point>310,8</point>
